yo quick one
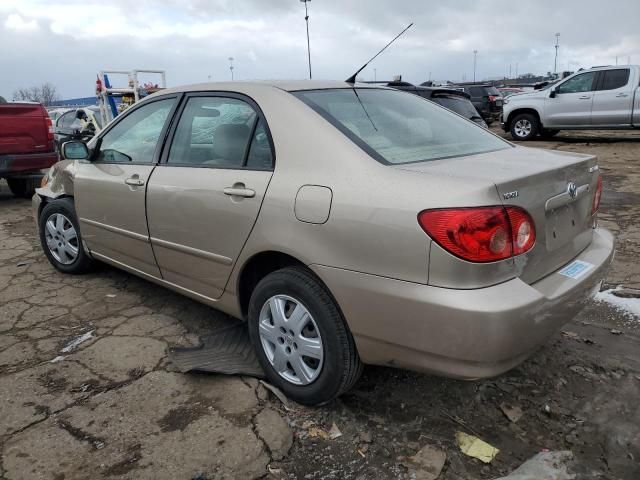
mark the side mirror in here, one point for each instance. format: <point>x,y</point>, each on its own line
<point>553,93</point>
<point>75,151</point>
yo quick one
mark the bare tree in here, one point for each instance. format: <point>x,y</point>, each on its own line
<point>45,94</point>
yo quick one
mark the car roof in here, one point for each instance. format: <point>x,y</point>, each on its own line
<point>246,86</point>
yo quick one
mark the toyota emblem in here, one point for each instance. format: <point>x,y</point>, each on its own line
<point>572,189</point>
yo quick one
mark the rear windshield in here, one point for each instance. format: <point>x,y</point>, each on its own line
<point>458,104</point>
<point>396,127</point>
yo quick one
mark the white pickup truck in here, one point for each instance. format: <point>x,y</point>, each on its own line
<point>599,98</point>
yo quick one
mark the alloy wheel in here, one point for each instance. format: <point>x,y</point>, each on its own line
<point>61,238</point>
<point>522,127</point>
<point>291,340</point>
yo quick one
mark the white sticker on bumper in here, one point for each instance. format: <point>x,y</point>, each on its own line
<point>576,269</point>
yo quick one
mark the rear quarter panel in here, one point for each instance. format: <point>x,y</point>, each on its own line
<point>372,226</point>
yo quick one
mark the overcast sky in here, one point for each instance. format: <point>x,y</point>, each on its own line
<point>67,42</point>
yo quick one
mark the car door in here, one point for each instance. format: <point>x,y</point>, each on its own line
<point>110,189</point>
<point>204,197</point>
<point>63,126</point>
<point>572,103</point>
<point>613,99</point>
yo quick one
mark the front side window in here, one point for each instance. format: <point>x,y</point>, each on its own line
<point>134,139</point>
<point>213,131</point>
<point>614,79</point>
<point>578,84</point>
<point>395,128</point>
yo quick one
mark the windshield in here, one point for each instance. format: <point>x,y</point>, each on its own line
<point>458,104</point>
<point>396,127</point>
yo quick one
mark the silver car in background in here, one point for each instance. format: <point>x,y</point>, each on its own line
<point>346,224</point>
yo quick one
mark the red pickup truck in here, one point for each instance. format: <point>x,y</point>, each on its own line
<point>26,146</point>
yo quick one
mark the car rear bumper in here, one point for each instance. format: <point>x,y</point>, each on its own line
<point>462,333</point>
<point>23,164</point>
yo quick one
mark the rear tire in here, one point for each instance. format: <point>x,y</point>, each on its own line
<point>23,187</point>
<point>337,366</point>
<point>524,126</point>
<point>60,237</point>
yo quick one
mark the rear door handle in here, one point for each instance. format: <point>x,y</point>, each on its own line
<point>585,97</point>
<point>237,191</point>
<point>134,181</point>
<point>622,95</point>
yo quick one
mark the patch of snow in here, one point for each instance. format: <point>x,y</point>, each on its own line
<point>73,344</point>
<point>59,358</point>
<point>628,306</point>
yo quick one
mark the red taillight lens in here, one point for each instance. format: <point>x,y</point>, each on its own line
<point>49,125</point>
<point>493,98</point>
<point>482,234</point>
<point>597,196</point>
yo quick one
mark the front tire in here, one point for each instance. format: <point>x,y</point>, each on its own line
<point>60,237</point>
<point>524,126</point>
<point>23,187</point>
<point>301,339</point>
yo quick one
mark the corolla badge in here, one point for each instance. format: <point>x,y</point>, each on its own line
<point>572,189</point>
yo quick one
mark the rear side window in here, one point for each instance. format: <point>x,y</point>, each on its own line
<point>458,104</point>
<point>395,128</point>
<point>260,156</point>
<point>613,79</point>
<point>220,132</point>
<point>476,91</point>
<point>66,120</point>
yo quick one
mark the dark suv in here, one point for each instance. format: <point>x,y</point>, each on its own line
<point>486,98</point>
<point>452,99</point>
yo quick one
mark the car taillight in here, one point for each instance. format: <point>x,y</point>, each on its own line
<point>49,125</point>
<point>493,98</point>
<point>597,196</point>
<point>480,234</point>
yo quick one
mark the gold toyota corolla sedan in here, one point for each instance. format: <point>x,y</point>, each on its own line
<point>347,224</point>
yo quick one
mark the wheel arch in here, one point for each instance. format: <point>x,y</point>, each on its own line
<point>256,268</point>
<point>519,111</point>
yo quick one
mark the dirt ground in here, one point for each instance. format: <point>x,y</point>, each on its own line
<point>111,406</point>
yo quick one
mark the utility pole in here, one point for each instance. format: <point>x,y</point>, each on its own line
<point>509,71</point>
<point>375,74</point>
<point>555,63</point>
<point>475,55</point>
<point>231,67</point>
<point>306,17</point>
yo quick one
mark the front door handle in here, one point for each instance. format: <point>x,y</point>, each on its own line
<point>585,97</point>
<point>134,181</point>
<point>622,95</point>
<point>239,190</point>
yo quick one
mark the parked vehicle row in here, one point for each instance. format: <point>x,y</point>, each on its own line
<point>345,223</point>
<point>598,98</point>
<point>454,100</point>
<point>26,146</point>
<point>486,98</point>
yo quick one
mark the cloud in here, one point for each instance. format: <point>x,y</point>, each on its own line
<point>17,23</point>
<point>68,41</point>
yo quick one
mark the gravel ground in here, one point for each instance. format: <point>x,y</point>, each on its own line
<point>86,390</point>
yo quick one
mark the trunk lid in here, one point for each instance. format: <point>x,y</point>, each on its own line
<point>538,181</point>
